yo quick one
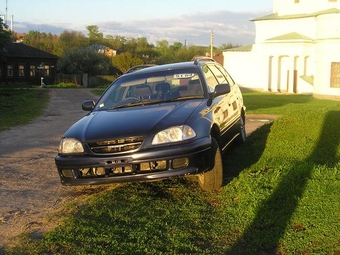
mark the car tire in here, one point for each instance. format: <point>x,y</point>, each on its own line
<point>242,134</point>
<point>212,180</point>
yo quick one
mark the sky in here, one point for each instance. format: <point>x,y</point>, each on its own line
<point>187,21</point>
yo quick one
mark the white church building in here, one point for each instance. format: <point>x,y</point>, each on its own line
<point>296,50</point>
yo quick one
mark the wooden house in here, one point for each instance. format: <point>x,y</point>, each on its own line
<point>23,64</point>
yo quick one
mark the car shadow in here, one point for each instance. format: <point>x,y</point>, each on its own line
<point>263,235</point>
<point>239,157</point>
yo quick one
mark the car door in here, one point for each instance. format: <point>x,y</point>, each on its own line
<point>236,99</point>
<point>222,106</point>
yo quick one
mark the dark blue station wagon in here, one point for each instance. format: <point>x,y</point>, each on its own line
<point>156,122</point>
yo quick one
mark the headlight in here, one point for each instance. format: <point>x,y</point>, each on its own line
<point>174,134</point>
<point>70,145</point>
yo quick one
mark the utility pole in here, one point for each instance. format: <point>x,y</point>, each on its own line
<point>6,14</point>
<point>212,40</point>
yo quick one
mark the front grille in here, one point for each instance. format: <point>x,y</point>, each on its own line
<point>119,168</point>
<point>117,145</point>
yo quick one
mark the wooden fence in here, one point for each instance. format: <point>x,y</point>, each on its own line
<point>85,80</point>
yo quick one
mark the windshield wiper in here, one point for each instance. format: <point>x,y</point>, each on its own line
<point>180,98</point>
<point>131,104</point>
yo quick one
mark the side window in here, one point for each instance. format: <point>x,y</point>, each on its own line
<point>230,80</point>
<point>210,78</point>
<point>213,76</point>
<point>218,74</point>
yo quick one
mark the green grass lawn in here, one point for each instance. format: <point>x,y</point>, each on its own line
<point>281,195</point>
<point>19,106</point>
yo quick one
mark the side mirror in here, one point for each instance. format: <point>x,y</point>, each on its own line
<point>88,105</point>
<point>221,89</point>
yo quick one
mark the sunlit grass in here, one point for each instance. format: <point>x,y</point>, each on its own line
<point>64,85</point>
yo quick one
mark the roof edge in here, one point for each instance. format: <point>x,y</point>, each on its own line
<point>276,16</point>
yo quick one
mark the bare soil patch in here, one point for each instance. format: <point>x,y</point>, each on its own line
<point>30,188</point>
<point>29,183</point>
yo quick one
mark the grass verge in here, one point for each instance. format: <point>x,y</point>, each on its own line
<point>281,195</point>
<point>19,106</point>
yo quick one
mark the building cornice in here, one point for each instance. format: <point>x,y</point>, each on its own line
<point>242,48</point>
<point>293,36</point>
<point>275,16</point>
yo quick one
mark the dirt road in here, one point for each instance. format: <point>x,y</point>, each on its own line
<point>29,184</point>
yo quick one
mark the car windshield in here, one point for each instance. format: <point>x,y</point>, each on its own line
<point>150,88</point>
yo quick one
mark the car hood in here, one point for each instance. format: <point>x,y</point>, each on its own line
<point>132,121</point>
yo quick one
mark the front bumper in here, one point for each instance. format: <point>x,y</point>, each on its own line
<point>156,163</point>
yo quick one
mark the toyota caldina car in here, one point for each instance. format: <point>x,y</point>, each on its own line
<point>156,122</point>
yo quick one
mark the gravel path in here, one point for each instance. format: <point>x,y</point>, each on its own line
<point>30,188</point>
<point>29,183</point>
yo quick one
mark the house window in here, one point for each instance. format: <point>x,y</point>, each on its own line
<point>335,75</point>
<point>32,70</point>
<point>47,70</point>
<point>9,70</point>
<point>21,70</point>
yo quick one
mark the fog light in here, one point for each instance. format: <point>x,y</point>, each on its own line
<point>99,171</point>
<point>180,162</point>
<point>67,173</point>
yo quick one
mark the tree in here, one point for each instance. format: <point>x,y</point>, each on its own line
<point>84,60</point>
<point>226,46</point>
<point>176,52</point>
<point>94,35</point>
<point>71,39</point>
<point>43,41</point>
<point>187,53</point>
<point>116,42</point>
<point>125,61</point>
<point>176,46</point>
<point>5,38</point>
<point>166,54</point>
<point>145,51</point>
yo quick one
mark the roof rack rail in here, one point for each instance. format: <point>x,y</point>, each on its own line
<point>135,68</point>
<point>199,59</point>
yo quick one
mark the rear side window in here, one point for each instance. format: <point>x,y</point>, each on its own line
<point>213,77</point>
<point>230,80</point>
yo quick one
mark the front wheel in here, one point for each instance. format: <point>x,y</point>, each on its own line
<point>212,180</point>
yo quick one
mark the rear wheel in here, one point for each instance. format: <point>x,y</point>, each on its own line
<point>212,180</point>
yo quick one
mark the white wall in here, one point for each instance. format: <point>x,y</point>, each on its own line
<point>328,26</point>
<point>243,68</point>
<point>326,52</point>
